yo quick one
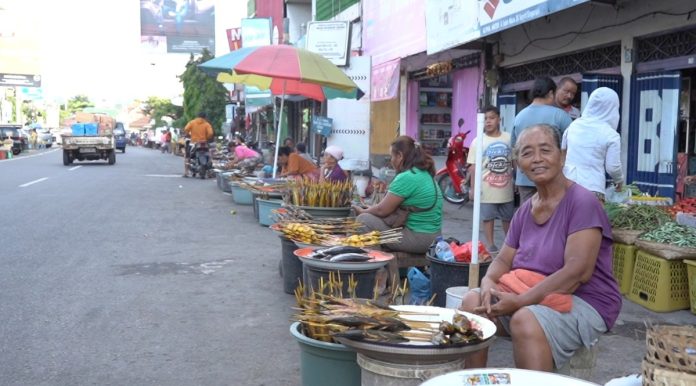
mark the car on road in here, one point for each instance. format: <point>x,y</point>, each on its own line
<point>120,138</point>
<point>14,132</point>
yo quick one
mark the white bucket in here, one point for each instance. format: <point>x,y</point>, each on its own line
<point>361,183</point>
<point>454,296</point>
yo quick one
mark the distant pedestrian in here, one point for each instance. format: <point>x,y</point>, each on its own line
<point>289,142</point>
<point>592,144</point>
<point>33,138</point>
<point>497,190</point>
<point>540,111</point>
<point>165,141</point>
<point>567,89</point>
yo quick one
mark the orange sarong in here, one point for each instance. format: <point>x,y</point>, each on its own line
<point>521,280</point>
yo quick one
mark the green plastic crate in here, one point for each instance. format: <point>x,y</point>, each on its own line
<point>691,275</point>
<point>659,284</point>
<point>623,261</point>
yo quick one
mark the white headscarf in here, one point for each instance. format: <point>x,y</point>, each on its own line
<point>602,108</point>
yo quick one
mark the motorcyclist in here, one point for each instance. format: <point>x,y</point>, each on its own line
<point>197,130</point>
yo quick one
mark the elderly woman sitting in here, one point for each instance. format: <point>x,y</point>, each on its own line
<point>330,169</point>
<point>560,244</point>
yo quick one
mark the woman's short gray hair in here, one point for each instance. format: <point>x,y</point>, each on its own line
<point>551,130</point>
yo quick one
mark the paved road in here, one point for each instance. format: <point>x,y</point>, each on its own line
<point>129,274</point>
<point>123,274</point>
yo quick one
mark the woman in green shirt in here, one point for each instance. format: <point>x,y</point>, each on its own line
<point>413,186</point>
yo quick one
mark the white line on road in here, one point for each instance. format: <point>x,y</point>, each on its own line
<point>74,167</point>
<point>164,175</point>
<point>16,158</point>
<point>33,182</point>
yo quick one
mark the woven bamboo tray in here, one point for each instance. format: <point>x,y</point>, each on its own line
<point>672,347</point>
<point>654,375</point>
<point>666,251</point>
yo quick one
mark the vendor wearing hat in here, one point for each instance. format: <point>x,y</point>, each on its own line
<point>330,169</point>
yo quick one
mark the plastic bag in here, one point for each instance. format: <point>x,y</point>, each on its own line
<point>420,286</point>
<point>611,195</point>
<point>463,252</point>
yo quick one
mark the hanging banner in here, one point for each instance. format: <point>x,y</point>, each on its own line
<point>351,118</point>
<point>385,81</point>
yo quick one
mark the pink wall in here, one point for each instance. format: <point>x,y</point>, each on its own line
<point>466,86</point>
<point>393,29</point>
<point>273,9</point>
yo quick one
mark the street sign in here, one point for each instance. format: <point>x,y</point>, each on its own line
<point>322,125</point>
<point>20,80</point>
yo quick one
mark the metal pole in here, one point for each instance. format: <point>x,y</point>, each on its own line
<point>280,120</point>
<point>474,267</point>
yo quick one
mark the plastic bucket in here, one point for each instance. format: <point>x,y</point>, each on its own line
<point>291,265</point>
<point>444,275</point>
<point>226,182</point>
<point>365,280</point>
<point>378,373</point>
<point>454,296</point>
<point>240,195</point>
<point>324,363</point>
<point>266,207</point>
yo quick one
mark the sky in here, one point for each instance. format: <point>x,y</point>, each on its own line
<point>93,47</point>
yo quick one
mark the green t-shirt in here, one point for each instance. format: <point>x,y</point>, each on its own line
<point>417,188</point>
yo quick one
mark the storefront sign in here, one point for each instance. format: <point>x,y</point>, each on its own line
<point>330,40</point>
<point>393,29</point>
<point>322,125</point>
<point>495,16</point>
<point>256,32</point>
<point>351,118</point>
<point>234,38</point>
<point>450,23</point>
<point>385,81</point>
<point>20,80</point>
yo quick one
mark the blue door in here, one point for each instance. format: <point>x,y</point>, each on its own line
<point>652,137</point>
<point>591,82</point>
<point>507,104</point>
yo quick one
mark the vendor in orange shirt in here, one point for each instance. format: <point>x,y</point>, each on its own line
<point>294,165</point>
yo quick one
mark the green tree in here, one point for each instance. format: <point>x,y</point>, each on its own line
<point>157,108</point>
<point>75,104</point>
<point>202,93</point>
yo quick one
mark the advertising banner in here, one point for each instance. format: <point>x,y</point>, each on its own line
<point>256,32</point>
<point>449,23</point>
<point>385,81</point>
<point>182,26</point>
<point>351,118</point>
<point>20,39</point>
<point>330,40</point>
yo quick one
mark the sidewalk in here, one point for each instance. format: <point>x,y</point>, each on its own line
<point>620,351</point>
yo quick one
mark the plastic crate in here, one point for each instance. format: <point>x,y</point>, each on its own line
<point>78,129</point>
<point>691,275</point>
<point>91,129</point>
<point>658,284</point>
<point>623,260</point>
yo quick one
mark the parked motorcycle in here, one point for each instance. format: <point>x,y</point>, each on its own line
<point>200,161</point>
<point>453,179</point>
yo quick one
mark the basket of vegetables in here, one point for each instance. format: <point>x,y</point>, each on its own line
<point>670,241</point>
<point>630,221</point>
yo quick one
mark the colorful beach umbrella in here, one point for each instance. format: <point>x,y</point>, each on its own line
<point>285,70</point>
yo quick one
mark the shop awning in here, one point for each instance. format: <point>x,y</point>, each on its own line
<point>385,80</point>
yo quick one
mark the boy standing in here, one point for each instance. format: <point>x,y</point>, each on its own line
<point>497,199</point>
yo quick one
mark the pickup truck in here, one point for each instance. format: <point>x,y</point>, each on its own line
<point>90,138</point>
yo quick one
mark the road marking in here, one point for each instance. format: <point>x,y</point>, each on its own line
<point>164,175</point>
<point>33,182</point>
<point>17,157</point>
<point>75,167</point>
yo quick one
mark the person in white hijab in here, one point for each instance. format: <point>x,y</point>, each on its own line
<point>592,144</point>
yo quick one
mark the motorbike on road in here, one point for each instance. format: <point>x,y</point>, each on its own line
<point>453,178</point>
<point>200,161</point>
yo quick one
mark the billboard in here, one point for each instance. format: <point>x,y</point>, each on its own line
<point>177,26</point>
<point>20,43</point>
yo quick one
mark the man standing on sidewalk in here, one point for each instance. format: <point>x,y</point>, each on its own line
<point>497,199</point>
<point>567,88</point>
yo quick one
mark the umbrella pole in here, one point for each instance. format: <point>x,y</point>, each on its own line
<point>280,119</point>
<point>474,267</point>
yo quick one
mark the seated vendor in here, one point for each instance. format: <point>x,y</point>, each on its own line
<point>294,166</point>
<point>414,187</point>
<point>551,287</point>
<point>330,169</point>
<point>245,158</point>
